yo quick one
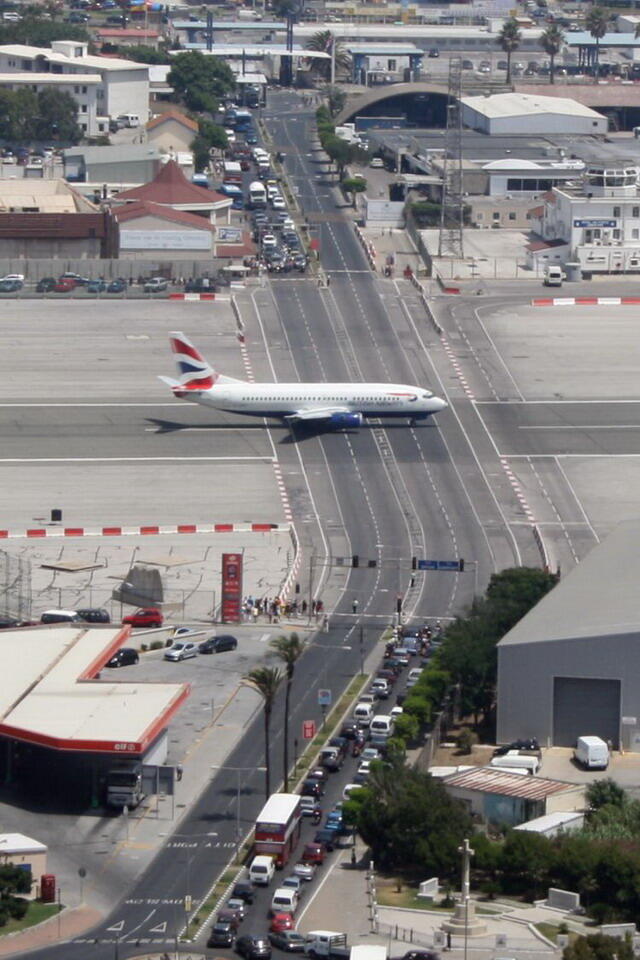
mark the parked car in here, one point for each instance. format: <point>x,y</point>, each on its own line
<point>94,615</point>
<point>289,940</point>
<point>46,285</point>
<point>253,947</point>
<point>10,286</point>
<point>434,53</point>
<point>145,617</point>
<point>182,650</point>
<point>312,788</point>
<point>326,838</point>
<point>293,881</point>
<point>117,286</point>
<point>96,286</point>
<point>79,280</point>
<point>309,806</point>
<point>218,644</point>
<point>123,657</point>
<point>377,163</point>
<point>156,285</point>
<point>221,935</point>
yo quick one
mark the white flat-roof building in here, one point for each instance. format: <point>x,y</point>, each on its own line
<point>513,113</point>
<point>22,851</point>
<point>123,86</point>
<point>83,87</point>
<point>594,221</point>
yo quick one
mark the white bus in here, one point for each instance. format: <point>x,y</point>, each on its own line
<point>257,194</point>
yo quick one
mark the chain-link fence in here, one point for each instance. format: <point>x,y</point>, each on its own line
<point>15,587</point>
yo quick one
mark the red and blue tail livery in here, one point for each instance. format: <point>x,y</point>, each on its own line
<point>195,373</point>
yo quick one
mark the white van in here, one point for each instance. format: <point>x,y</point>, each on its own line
<point>513,759</point>
<point>383,725</point>
<point>261,870</point>
<point>553,275</point>
<point>284,900</point>
<point>128,120</point>
<point>592,753</point>
<point>362,714</point>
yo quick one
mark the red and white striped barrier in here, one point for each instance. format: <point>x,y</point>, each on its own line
<point>368,248</point>
<point>144,531</point>
<point>192,296</point>
<point>585,301</point>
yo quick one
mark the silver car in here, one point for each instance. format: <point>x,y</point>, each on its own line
<point>181,651</point>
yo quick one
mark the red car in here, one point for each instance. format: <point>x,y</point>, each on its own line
<point>281,922</point>
<point>145,617</point>
<point>64,285</point>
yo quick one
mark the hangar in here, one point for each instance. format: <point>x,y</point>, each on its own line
<point>571,666</point>
<point>65,724</point>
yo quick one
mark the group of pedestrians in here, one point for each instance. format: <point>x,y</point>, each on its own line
<point>255,608</point>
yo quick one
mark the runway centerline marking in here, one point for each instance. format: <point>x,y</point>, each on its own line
<point>581,426</point>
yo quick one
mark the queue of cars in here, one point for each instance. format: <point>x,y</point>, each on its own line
<point>361,743</point>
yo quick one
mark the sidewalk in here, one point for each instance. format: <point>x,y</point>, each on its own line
<point>395,242</point>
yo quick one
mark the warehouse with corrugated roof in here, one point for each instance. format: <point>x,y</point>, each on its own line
<point>571,666</point>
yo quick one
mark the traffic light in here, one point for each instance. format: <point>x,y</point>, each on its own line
<point>414,563</point>
<point>372,563</point>
<point>355,560</point>
<point>297,588</point>
<point>399,604</point>
<point>461,565</point>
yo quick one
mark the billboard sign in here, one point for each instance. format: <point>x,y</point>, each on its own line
<point>231,587</point>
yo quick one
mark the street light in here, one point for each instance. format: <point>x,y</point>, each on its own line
<point>238,770</point>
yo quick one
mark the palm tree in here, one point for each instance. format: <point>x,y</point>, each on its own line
<point>551,42</point>
<point>323,42</point>
<point>509,40</point>
<point>265,681</point>
<point>289,650</point>
<point>596,23</point>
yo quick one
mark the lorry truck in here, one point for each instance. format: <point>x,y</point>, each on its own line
<point>326,943</point>
<point>124,786</point>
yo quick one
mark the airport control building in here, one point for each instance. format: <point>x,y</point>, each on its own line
<point>571,666</point>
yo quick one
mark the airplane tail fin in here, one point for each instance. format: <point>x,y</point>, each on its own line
<point>193,370</point>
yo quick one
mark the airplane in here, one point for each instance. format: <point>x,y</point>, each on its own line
<point>336,404</point>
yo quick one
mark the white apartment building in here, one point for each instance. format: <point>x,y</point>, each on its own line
<point>83,87</point>
<point>123,86</point>
<point>594,222</point>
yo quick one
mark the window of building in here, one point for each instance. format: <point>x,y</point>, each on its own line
<point>616,211</point>
<point>84,89</point>
<point>12,63</point>
<point>635,234</point>
<point>512,215</point>
<point>76,89</point>
<point>27,65</point>
<point>392,65</point>
<point>496,215</point>
<point>480,216</point>
<point>83,108</point>
<point>635,212</point>
<point>616,234</point>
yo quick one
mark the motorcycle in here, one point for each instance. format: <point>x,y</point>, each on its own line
<point>316,816</point>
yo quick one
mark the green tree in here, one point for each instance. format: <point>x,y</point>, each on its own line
<point>285,8</point>
<point>57,117</point>
<point>354,186</point>
<point>509,40</point>
<point>200,80</point>
<point>210,135</point>
<point>265,681</point>
<point>596,22</point>
<point>40,33</point>
<point>551,42</point>
<point>605,792</point>
<point>289,650</point>
<point>323,42</point>
<point>410,821</point>
<point>145,54</point>
<point>598,946</point>
<point>336,99</point>
<point>526,861</point>
<point>339,152</point>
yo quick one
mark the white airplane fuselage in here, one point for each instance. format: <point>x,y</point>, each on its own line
<point>297,399</point>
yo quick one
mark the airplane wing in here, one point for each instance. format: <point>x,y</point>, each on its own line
<point>336,415</point>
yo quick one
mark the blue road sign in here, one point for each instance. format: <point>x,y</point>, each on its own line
<point>438,564</point>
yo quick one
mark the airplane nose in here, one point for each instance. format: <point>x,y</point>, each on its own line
<point>439,404</point>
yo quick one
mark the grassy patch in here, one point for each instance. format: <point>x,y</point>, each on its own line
<point>36,913</point>
<point>389,895</point>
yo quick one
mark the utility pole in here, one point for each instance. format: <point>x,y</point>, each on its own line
<point>450,242</point>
